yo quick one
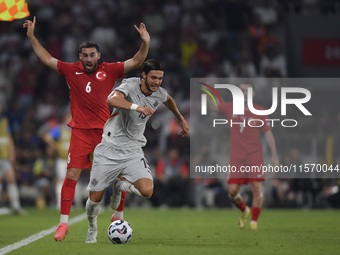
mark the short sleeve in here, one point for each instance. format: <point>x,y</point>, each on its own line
<point>124,88</point>
<point>117,69</point>
<point>64,67</point>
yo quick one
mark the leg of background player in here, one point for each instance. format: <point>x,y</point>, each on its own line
<point>256,188</point>
<point>13,191</point>
<point>236,198</point>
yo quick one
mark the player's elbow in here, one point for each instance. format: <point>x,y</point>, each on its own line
<point>132,64</point>
<point>45,61</point>
<point>50,62</point>
<point>136,62</point>
<point>108,101</point>
<point>111,101</point>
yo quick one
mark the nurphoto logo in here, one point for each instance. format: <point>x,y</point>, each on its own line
<point>238,103</point>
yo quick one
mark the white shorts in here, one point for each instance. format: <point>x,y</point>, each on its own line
<point>4,167</point>
<point>109,162</point>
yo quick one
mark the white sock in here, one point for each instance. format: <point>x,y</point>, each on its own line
<point>92,210</point>
<point>13,194</point>
<point>252,221</point>
<point>129,187</point>
<point>63,218</point>
<point>119,214</point>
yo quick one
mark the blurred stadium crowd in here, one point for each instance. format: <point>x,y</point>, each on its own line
<point>191,38</point>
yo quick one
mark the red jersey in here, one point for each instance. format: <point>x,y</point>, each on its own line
<point>244,139</point>
<point>89,92</point>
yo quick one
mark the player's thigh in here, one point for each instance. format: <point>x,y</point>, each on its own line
<point>4,167</point>
<point>138,169</point>
<point>82,143</point>
<point>106,168</point>
<point>145,186</point>
<point>9,174</point>
<point>256,187</point>
<point>234,189</point>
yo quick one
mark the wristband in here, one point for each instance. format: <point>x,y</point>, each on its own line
<point>134,107</point>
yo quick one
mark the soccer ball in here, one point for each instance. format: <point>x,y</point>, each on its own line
<point>119,232</point>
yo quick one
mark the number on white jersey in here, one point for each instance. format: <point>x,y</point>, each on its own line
<point>145,161</point>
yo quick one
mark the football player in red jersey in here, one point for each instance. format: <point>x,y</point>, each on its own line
<point>90,84</point>
<point>246,150</point>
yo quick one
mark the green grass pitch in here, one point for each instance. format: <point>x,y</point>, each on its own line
<point>177,231</point>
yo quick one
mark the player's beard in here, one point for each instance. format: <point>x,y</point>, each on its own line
<point>147,85</point>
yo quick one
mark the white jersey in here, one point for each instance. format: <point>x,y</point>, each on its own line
<point>125,128</point>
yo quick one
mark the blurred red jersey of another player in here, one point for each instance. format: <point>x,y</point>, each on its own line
<point>246,155</point>
<point>245,143</point>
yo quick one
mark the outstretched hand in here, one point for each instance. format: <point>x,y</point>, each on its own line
<point>30,27</point>
<point>185,128</point>
<point>275,161</point>
<point>144,34</point>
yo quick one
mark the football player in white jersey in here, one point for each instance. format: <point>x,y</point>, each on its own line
<point>120,152</point>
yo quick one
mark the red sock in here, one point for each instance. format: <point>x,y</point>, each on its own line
<point>122,202</point>
<point>255,213</point>
<point>241,206</point>
<point>67,195</point>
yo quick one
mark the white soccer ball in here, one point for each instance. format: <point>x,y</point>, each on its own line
<point>119,232</point>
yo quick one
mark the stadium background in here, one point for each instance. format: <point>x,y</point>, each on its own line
<point>191,38</point>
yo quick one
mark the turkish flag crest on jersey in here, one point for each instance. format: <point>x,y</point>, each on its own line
<point>101,75</point>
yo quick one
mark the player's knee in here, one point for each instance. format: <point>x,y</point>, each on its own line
<point>257,193</point>
<point>146,191</point>
<point>257,190</point>
<point>95,196</point>
<point>73,174</point>
<point>233,193</point>
<point>10,175</point>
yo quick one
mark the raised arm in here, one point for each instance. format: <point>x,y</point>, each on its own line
<point>117,100</point>
<point>271,142</point>
<point>140,56</point>
<point>170,103</point>
<point>42,54</point>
